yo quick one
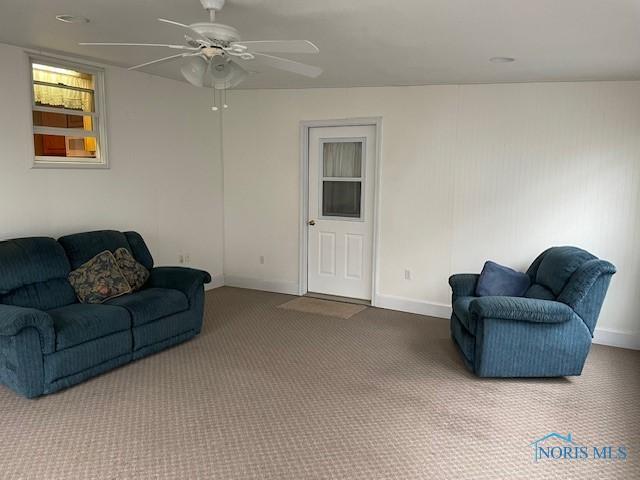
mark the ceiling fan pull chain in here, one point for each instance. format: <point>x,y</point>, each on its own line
<point>224,98</point>
<point>215,103</point>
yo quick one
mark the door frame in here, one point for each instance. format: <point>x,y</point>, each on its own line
<point>305,126</point>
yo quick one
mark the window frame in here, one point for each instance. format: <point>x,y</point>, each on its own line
<point>99,117</point>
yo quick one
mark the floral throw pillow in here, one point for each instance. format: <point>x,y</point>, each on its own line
<point>135,273</point>
<point>99,279</point>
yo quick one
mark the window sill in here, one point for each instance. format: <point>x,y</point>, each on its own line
<point>48,162</point>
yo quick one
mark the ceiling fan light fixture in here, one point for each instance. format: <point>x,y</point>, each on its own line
<point>194,71</point>
<point>226,73</point>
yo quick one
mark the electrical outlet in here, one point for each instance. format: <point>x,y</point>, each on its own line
<point>261,259</point>
<point>407,274</point>
<point>180,259</point>
<point>187,258</point>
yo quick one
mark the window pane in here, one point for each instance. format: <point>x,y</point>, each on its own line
<point>60,120</point>
<point>61,146</point>
<point>62,76</point>
<point>342,159</point>
<point>62,97</point>
<point>341,199</point>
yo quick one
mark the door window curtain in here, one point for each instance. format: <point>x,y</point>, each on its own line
<point>342,159</point>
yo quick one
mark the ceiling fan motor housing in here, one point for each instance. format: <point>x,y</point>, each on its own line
<point>217,32</point>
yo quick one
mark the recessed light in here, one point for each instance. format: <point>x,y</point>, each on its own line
<point>502,59</point>
<point>72,18</point>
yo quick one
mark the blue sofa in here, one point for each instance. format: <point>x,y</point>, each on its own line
<point>546,333</point>
<point>49,341</point>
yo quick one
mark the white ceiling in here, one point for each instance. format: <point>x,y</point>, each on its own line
<point>363,43</point>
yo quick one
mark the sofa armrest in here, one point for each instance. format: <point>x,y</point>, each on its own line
<point>15,319</point>
<point>464,284</point>
<point>523,309</point>
<point>187,280</point>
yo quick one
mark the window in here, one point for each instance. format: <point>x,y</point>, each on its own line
<point>342,178</point>
<point>68,119</point>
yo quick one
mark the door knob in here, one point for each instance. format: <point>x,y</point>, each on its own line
<point>311,222</point>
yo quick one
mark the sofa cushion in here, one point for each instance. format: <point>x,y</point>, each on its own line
<point>79,323</point>
<point>151,304</point>
<point>99,279</point>
<point>135,273</point>
<point>558,265</point>
<point>462,311</point>
<point>82,247</point>
<point>498,280</point>
<point>33,274</point>
<point>139,249</point>
<point>540,292</point>
<point>164,330</point>
<point>72,365</point>
<point>53,293</point>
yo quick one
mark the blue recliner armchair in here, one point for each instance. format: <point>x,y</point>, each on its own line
<point>546,333</point>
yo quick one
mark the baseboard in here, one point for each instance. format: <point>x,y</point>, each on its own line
<point>614,338</point>
<point>421,307</point>
<point>217,281</point>
<point>276,286</point>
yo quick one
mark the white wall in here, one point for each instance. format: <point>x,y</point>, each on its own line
<point>469,173</point>
<point>165,179</point>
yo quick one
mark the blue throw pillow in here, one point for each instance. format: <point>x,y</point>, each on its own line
<point>497,280</point>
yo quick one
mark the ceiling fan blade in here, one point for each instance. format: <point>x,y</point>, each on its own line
<point>193,33</point>
<point>285,64</point>
<point>165,59</point>
<point>177,47</point>
<point>279,46</point>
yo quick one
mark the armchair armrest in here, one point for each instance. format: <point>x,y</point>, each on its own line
<point>464,284</point>
<point>15,319</point>
<point>187,280</point>
<point>524,309</point>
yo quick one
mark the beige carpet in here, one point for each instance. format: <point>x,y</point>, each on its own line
<point>267,393</point>
<point>323,307</point>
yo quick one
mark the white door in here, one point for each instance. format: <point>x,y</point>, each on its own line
<point>340,226</point>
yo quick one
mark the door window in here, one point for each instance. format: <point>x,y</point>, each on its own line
<point>341,179</point>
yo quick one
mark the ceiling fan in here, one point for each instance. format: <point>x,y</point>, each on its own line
<point>217,57</point>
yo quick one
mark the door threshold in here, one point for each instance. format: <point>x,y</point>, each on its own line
<point>336,298</point>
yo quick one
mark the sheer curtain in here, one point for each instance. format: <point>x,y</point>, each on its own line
<point>342,159</point>
<point>60,96</point>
